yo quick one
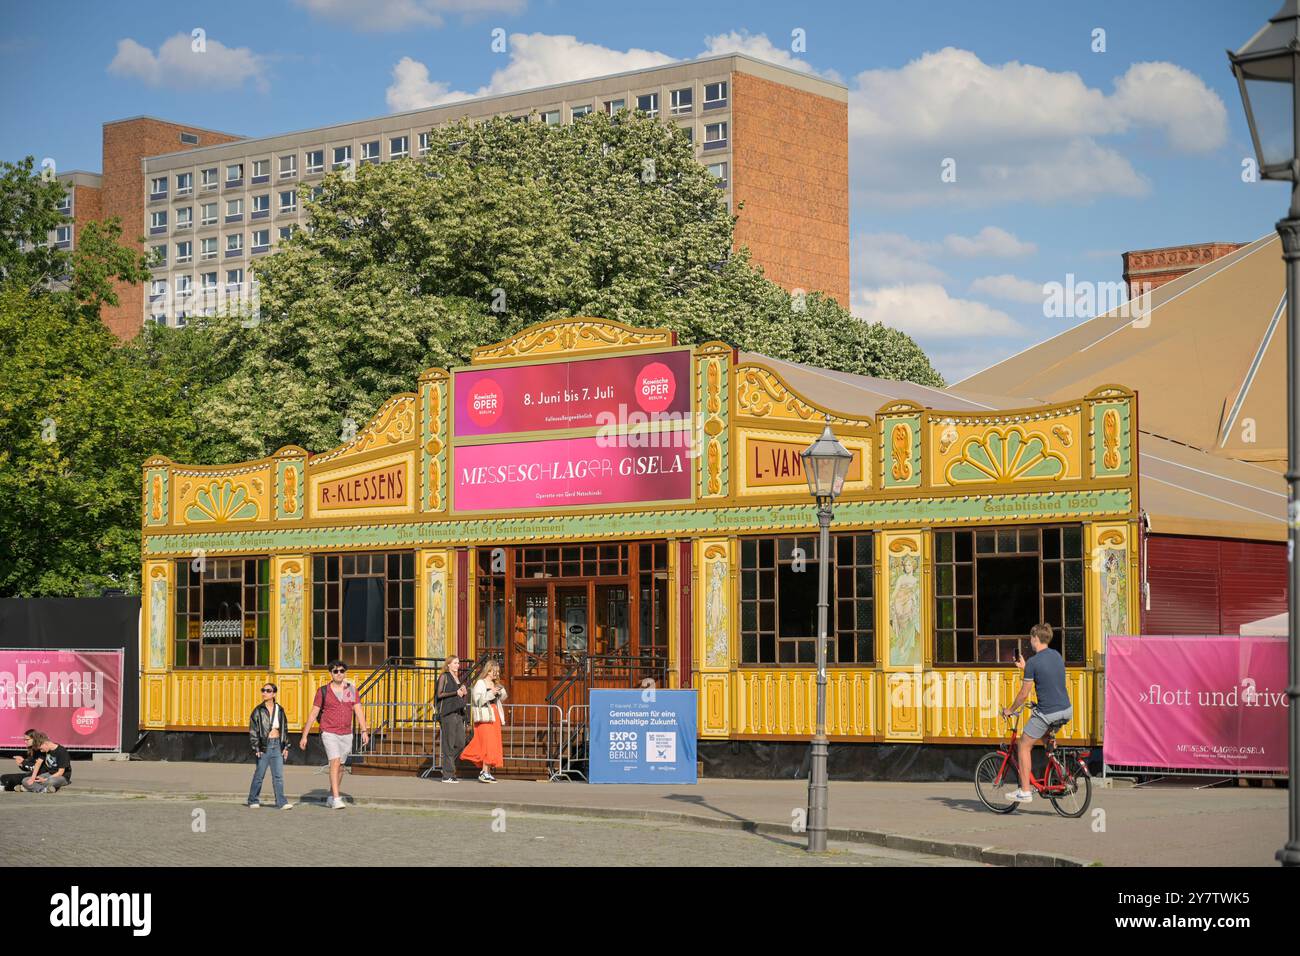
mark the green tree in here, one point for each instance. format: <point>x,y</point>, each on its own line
<point>504,224</point>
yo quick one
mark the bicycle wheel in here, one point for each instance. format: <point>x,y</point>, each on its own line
<point>1076,791</point>
<point>993,793</point>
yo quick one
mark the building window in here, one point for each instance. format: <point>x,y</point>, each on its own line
<point>208,249</point>
<point>286,232</point>
<point>288,166</point>
<point>715,135</point>
<point>690,133</point>
<point>62,237</point>
<point>778,600</point>
<point>398,146</point>
<point>424,143</point>
<point>289,200</point>
<point>157,289</point>
<point>315,161</point>
<point>715,95</point>
<point>234,173</point>
<point>184,252</point>
<point>551,117</point>
<point>65,204</point>
<point>209,178</point>
<point>317,192</point>
<point>363,608</point>
<point>261,240</point>
<point>159,255</point>
<point>992,586</point>
<point>370,152</point>
<point>342,156</point>
<point>223,613</point>
<point>261,170</point>
<point>184,285</point>
<point>184,184</point>
<point>648,103</point>
<point>234,242</point>
<point>234,280</point>
<point>190,139</point>
<point>209,280</point>
<point>719,172</point>
<point>261,206</point>
<point>209,214</point>
<point>158,222</point>
<point>184,217</point>
<point>579,111</point>
<point>682,101</point>
<point>655,599</point>
<point>234,210</point>
<point>158,188</point>
<point>613,106</point>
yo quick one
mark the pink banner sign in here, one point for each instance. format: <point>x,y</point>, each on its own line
<point>562,472</point>
<point>579,394</point>
<point>73,697</point>
<point>1197,703</point>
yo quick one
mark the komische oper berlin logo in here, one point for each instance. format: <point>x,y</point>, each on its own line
<point>77,909</point>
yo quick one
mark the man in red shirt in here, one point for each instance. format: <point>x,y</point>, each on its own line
<point>335,704</point>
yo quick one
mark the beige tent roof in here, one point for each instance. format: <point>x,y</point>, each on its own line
<point>1182,489</point>
<point>1207,359</point>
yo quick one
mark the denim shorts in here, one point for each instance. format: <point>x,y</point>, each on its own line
<point>1036,726</point>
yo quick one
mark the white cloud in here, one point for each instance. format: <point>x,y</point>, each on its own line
<point>989,242</point>
<point>381,15</point>
<point>1015,131</point>
<point>925,310</point>
<point>1012,288</point>
<point>760,48</point>
<point>536,59</point>
<point>881,258</point>
<point>178,64</point>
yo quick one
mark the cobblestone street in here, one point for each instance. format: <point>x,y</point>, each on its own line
<point>88,830</point>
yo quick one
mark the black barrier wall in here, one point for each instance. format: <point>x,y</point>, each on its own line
<point>98,624</point>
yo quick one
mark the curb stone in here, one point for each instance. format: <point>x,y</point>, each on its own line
<point>991,855</point>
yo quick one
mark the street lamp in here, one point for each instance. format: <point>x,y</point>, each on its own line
<point>1268,72</point>
<point>825,465</point>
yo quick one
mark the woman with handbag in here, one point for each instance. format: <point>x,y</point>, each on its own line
<point>484,750</point>
<point>268,735</point>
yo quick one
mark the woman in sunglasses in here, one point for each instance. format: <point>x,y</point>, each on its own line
<point>268,734</point>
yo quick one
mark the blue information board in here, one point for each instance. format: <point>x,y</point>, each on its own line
<point>643,736</point>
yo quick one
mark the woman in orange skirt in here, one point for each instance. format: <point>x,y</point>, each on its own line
<point>484,750</point>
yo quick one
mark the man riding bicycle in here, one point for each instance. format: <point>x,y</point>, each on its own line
<point>1045,673</point>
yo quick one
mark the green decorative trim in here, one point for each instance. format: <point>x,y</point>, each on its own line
<point>165,484</point>
<point>1005,455</point>
<point>887,451</point>
<point>678,522</point>
<point>1099,468</point>
<point>281,467</point>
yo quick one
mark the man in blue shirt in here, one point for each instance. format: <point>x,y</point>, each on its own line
<point>1045,674</point>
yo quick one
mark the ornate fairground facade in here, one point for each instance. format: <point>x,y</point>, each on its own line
<point>589,488</point>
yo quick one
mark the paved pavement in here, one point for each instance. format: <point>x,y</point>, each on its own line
<point>1169,826</point>
<point>87,829</point>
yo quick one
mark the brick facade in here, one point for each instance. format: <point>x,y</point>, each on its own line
<point>790,170</point>
<point>1152,268</point>
<point>126,143</point>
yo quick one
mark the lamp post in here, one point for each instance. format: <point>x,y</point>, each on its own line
<point>1268,73</point>
<point>825,465</point>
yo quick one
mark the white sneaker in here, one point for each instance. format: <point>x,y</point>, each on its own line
<point>485,777</point>
<point>450,780</point>
<point>286,806</point>
<point>338,804</point>
<point>1022,796</point>
<point>254,806</point>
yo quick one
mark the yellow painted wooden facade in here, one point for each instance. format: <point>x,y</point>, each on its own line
<point>916,470</point>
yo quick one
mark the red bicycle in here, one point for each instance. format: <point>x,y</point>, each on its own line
<point>1066,781</point>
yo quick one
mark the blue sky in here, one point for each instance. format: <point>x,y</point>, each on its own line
<point>1065,156</point>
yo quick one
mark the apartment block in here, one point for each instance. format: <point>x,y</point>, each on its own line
<point>775,139</point>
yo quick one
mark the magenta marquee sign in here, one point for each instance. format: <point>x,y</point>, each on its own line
<point>74,697</point>
<point>1197,703</point>
<point>578,394</point>
<point>563,472</point>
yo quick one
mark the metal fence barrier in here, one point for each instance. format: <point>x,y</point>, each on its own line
<point>575,744</point>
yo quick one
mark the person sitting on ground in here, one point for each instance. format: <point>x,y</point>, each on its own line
<point>1045,675</point>
<point>55,771</point>
<point>26,762</point>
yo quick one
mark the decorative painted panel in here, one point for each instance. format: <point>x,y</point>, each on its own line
<point>902,701</point>
<point>1031,446</point>
<point>768,462</point>
<point>905,612</point>
<point>900,449</point>
<point>439,633</point>
<point>762,393</point>
<point>1111,437</point>
<point>158,618</point>
<point>575,335</point>
<point>153,700</point>
<point>714,720</point>
<point>966,704</point>
<point>434,430</point>
<point>289,484</point>
<point>394,424</point>
<point>291,612</point>
<point>716,600</point>
<point>1112,593</point>
<point>217,496</point>
<point>713,374</point>
<point>376,486</point>
<point>783,702</point>
<point>156,493</point>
